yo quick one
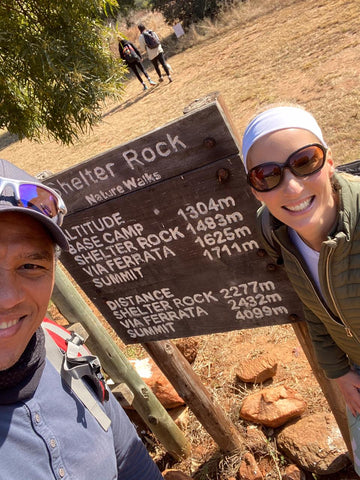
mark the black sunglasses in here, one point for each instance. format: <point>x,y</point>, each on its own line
<point>303,162</point>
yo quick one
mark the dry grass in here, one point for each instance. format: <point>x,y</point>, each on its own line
<point>294,51</point>
<point>263,51</point>
<point>216,364</point>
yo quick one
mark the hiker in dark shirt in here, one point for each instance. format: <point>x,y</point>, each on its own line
<point>132,57</point>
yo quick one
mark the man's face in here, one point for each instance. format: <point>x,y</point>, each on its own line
<point>27,267</point>
<point>304,203</point>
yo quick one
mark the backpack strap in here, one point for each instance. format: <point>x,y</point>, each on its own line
<point>56,331</point>
<point>73,368</point>
<point>78,360</point>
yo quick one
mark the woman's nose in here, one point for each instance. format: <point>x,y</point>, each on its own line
<point>292,183</point>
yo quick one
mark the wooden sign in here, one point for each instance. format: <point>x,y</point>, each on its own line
<point>163,237</point>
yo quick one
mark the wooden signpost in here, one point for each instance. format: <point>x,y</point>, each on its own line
<point>163,236</point>
<point>163,241</point>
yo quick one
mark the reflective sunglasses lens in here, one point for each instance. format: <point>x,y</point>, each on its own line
<point>38,198</point>
<point>265,177</point>
<point>307,161</point>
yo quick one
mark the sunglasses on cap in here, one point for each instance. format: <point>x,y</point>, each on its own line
<point>301,163</point>
<point>34,196</point>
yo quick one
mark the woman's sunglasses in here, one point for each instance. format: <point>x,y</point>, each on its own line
<point>303,162</point>
<point>34,196</point>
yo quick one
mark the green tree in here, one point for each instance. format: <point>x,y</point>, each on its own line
<point>121,8</point>
<point>190,11</point>
<point>55,67</point>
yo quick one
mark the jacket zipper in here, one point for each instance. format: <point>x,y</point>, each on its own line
<point>348,331</point>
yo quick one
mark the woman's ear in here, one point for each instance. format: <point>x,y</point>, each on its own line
<point>256,194</point>
<point>330,162</point>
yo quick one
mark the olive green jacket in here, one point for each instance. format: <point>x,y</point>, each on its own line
<point>333,317</point>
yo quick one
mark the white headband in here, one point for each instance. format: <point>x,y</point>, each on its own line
<point>278,118</point>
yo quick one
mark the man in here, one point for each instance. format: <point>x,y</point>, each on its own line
<point>46,432</point>
<point>150,42</point>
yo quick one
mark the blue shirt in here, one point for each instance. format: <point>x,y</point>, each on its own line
<point>53,436</point>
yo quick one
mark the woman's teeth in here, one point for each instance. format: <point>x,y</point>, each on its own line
<point>300,206</point>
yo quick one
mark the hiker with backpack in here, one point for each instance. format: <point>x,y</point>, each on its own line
<point>132,57</point>
<point>150,42</point>
<point>309,222</point>
<point>55,422</point>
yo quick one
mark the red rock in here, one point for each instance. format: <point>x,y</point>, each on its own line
<point>292,472</point>
<point>249,469</point>
<point>256,440</point>
<point>172,474</point>
<point>315,444</point>
<point>257,370</point>
<point>159,384</point>
<point>273,407</point>
<point>188,347</point>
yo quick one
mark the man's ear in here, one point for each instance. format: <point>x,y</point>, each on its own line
<point>330,162</point>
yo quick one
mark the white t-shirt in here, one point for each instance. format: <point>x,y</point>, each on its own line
<point>151,52</point>
<point>310,256</point>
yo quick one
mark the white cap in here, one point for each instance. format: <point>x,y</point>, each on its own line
<point>8,203</point>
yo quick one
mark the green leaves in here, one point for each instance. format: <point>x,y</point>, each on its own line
<point>55,67</point>
<point>190,11</point>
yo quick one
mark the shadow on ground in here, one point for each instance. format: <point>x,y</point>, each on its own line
<point>130,101</point>
<point>7,139</point>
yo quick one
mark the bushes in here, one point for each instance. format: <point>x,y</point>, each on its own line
<point>190,11</point>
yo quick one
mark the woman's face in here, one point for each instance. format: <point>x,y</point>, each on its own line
<point>306,204</point>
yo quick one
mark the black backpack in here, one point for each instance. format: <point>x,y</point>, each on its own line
<point>129,53</point>
<point>151,39</point>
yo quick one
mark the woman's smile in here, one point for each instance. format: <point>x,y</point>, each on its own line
<point>301,206</point>
<point>305,204</point>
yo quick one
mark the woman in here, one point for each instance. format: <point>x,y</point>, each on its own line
<point>132,57</point>
<point>309,220</point>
